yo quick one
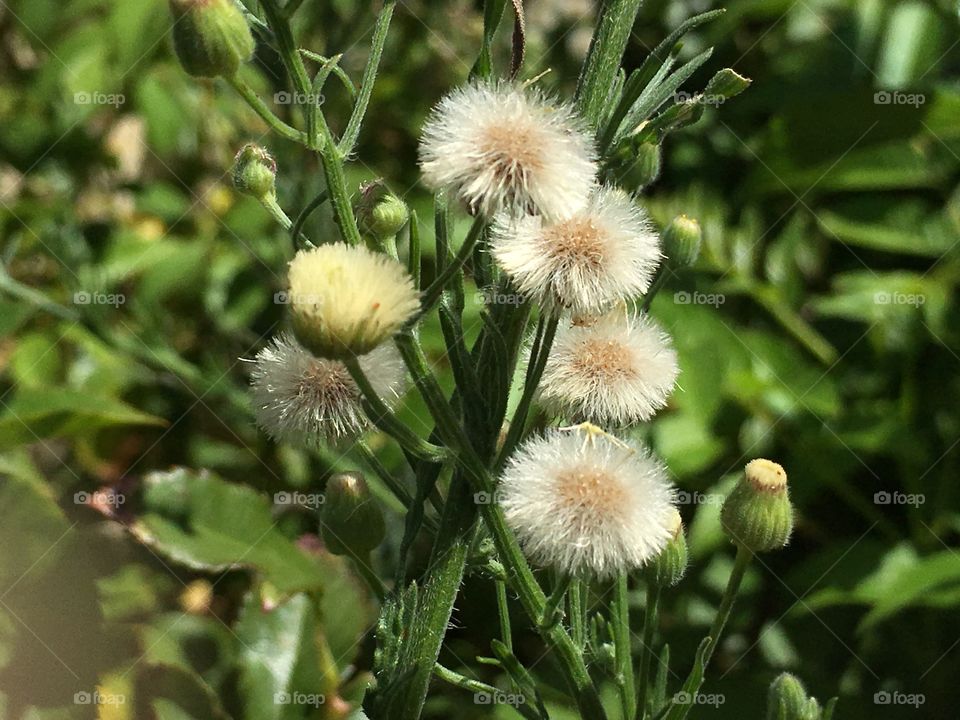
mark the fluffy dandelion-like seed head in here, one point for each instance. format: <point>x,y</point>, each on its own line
<point>303,399</point>
<point>614,371</point>
<point>346,300</point>
<point>500,147</point>
<point>605,253</point>
<point>587,503</point>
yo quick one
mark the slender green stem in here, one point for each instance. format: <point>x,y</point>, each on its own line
<point>551,610</point>
<point>546,330</point>
<point>363,568</point>
<point>287,49</point>
<point>296,232</point>
<point>576,600</point>
<point>650,618</point>
<point>259,107</point>
<point>503,612</point>
<point>383,417</point>
<point>433,292</point>
<point>349,138</point>
<point>622,645</point>
<point>695,680</point>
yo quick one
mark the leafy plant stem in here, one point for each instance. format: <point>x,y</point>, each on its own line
<point>650,617</point>
<point>621,639</point>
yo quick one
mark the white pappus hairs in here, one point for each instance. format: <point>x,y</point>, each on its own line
<point>586,503</point>
<point>502,147</point>
<point>612,370</point>
<point>302,399</point>
<point>603,254</point>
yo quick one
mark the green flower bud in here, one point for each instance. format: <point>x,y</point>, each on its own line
<point>681,241</point>
<point>642,168</point>
<point>669,566</point>
<point>351,522</point>
<point>379,212</point>
<point>255,172</point>
<point>211,37</point>
<point>758,514</point>
<point>787,700</point>
<point>726,84</point>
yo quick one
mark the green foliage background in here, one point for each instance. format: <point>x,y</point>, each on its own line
<point>831,226</point>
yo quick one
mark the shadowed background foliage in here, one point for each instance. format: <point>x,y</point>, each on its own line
<point>818,327</point>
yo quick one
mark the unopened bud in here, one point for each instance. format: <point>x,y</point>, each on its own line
<point>211,37</point>
<point>379,212</point>
<point>255,172</point>
<point>642,168</point>
<point>351,522</point>
<point>681,241</point>
<point>787,700</point>
<point>727,84</point>
<point>758,514</point>
<point>668,568</point>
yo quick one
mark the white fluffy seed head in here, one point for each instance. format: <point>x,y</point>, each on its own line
<point>345,300</point>
<point>605,253</point>
<point>613,370</point>
<point>503,148</point>
<point>587,503</point>
<point>302,399</point>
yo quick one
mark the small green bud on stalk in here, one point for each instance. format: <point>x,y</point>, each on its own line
<point>379,212</point>
<point>351,521</point>
<point>211,37</point>
<point>787,700</point>
<point>255,172</point>
<point>681,241</point>
<point>639,163</point>
<point>669,567</point>
<point>758,513</point>
<point>726,84</point>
